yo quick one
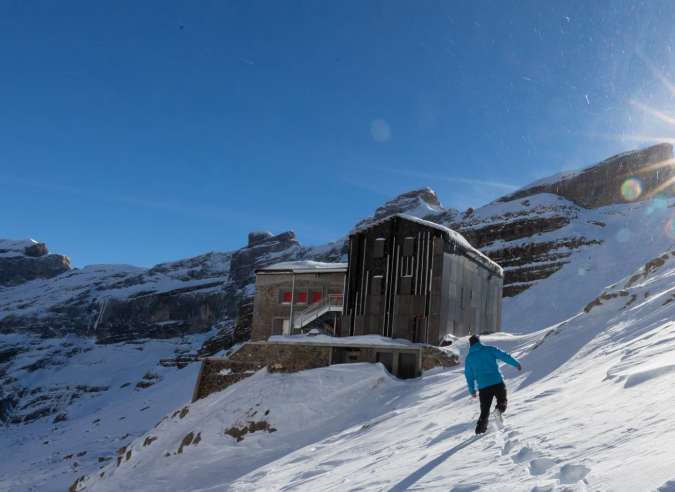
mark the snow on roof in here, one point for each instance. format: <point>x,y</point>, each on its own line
<point>357,341</point>
<point>304,266</point>
<point>450,235</point>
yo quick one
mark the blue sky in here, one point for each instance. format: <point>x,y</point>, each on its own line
<point>142,132</point>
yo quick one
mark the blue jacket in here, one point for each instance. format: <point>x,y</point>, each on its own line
<point>481,366</point>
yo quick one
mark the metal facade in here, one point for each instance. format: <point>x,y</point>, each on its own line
<point>409,280</point>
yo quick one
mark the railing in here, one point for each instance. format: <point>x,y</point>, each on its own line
<point>332,302</point>
<point>328,329</point>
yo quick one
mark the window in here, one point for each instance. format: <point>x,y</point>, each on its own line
<point>316,297</point>
<point>378,252</point>
<point>302,297</point>
<point>406,285</point>
<point>286,297</point>
<point>409,246</point>
<point>376,285</point>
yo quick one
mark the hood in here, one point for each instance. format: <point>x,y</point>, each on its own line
<point>476,347</point>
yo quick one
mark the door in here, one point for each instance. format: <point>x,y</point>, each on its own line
<point>421,330</point>
<point>286,325</point>
<point>407,366</point>
<point>386,359</point>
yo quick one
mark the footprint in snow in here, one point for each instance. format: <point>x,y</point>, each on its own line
<point>466,487</point>
<point>509,445</point>
<point>547,487</point>
<point>539,466</point>
<point>669,486</point>
<point>570,474</point>
<point>525,454</point>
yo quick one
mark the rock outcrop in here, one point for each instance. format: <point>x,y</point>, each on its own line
<point>603,184</point>
<point>26,260</point>
<point>417,202</point>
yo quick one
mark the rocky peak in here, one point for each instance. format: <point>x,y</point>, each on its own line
<point>629,177</point>
<point>417,202</point>
<point>26,259</point>
<point>257,236</point>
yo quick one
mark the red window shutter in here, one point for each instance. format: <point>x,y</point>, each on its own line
<point>287,297</point>
<point>316,297</point>
<point>302,297</point>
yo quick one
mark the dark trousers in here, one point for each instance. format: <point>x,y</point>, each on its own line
<point>485,396</point>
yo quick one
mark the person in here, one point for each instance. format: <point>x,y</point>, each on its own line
<point>481,367</point>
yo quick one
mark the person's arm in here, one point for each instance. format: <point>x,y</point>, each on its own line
<point>470,379</point>
<point>506,357</point>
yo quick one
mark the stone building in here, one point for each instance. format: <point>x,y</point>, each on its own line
<point>294,297</point>
<point>414,279</point>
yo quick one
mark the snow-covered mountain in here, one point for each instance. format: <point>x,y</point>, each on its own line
<point>91,359</point>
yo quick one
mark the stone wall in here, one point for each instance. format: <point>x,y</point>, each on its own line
<point>284,357</point>
<point>210,379</point>
<point>289,358</point>
<point>436,357</point>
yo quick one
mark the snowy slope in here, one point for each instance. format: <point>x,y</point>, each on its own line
<point>107,394</point>
<point>592,411</point>
<point>630,235</point>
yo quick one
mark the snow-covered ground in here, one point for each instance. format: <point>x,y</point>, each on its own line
<point>591,411</point>
<point>113,393</point>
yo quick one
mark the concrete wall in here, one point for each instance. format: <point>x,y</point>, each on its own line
<point>471,300</point>
<point>266,306</point>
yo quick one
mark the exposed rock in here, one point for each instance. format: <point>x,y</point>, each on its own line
<point>417,202</point>
<point>257,236</point>
<point>600,184</point>
<point>23,261</point>
<point>36,250</point>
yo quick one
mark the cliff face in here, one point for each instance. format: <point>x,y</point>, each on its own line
<point>603,184</point>
<point>22,261</point>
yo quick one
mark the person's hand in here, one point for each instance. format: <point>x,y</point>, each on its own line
<point>520,367</point>
<point>473,395</point>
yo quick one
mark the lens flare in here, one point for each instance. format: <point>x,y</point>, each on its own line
<point>631,189</point>
<point>380,130</point>
<point>623,235</point>
<point>670,229</point>
<point>581,272</point>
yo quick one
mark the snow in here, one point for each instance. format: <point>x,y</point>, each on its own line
<point>363,340</point>
<point>12,247</point>
<point>309,265</point>
<point>584,415</point>
<point>562,294</point>
<point>589,412</point>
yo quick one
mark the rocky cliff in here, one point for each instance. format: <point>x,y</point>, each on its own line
<point>22,261</point>
<point>631,176</point>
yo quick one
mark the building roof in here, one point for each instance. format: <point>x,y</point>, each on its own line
<point>305,266</point>
<point>452,236</point>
